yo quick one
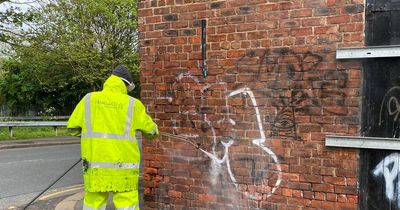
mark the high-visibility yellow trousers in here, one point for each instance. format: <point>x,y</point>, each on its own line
<point>122,200</point>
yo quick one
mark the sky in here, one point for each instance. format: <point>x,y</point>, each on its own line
<point>24,5</point>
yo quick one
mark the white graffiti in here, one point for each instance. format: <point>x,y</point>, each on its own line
<point>389,168</point>
<point>219,159</point>
<point>260,142</point>
<point>390,106</point>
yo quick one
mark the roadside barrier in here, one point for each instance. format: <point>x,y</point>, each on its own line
<point>54,124</point>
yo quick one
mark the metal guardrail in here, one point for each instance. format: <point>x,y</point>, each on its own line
<point>54,124</point>
<point>34,118</point>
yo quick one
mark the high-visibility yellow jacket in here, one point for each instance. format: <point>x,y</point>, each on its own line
<point>107,122</point>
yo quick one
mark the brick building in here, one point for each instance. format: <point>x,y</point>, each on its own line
<point>257,106</point>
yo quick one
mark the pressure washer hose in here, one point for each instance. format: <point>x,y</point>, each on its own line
<point>51,184</point>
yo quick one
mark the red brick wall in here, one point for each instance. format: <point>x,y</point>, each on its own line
<point>274,90</point>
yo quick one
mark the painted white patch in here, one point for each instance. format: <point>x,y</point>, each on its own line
<point>389,168</point>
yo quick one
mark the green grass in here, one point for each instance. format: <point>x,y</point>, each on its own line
<point>31,132</point>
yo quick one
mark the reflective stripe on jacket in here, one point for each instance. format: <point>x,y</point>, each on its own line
<point>108,121</point>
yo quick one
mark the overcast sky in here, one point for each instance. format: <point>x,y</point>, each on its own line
<point>24,5</point>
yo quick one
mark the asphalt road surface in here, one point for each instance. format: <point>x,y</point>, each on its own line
<point>25,172</point>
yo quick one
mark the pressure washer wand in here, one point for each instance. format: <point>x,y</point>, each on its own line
<point>180,137</point>
<point>51,184</point>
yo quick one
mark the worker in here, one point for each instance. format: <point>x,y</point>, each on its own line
<point>107,122</point>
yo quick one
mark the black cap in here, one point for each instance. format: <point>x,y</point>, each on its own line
<point>121,71</point>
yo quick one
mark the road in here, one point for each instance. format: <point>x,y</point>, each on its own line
<point>25,172</point>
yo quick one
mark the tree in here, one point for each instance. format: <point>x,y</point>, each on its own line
<point>71,50</point>
<point>11,19</point>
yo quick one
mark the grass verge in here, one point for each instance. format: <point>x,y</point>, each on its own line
<point>31,132</point>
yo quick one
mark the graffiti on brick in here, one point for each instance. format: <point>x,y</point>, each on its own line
<point>261,141</point>
<point>294,83</point>
<point>390,110</point>
<point>216,136</point>
<point>288,84</point>
<point>389,169</point>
